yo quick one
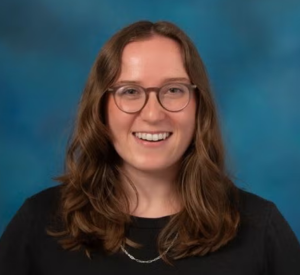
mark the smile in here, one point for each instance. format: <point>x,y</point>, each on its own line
<point>152,137</point>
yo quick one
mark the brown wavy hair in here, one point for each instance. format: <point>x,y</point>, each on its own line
<point>94,207</point>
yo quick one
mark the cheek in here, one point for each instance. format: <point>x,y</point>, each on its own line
<point>110,113</point>
<point>189,124</point>
<point>118,122</point>
<point>190,117</point>
<point>113,117</point>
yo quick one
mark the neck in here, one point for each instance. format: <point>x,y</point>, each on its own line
<point>154,194</point>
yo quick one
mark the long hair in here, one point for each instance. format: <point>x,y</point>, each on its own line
<point>95,209</point>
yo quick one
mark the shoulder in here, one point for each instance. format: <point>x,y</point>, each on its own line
<point>255,213</point>
<point>26,232</point>
<point>252,204</point>
<point>262,218</point>
<point>45,198</point>
<point>268,232</point>
<point>41,207</point>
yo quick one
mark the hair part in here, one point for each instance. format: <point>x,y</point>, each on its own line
<point>94,207</point>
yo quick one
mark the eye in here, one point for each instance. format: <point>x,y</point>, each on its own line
<point>175,90</point>
<point>128,91</point>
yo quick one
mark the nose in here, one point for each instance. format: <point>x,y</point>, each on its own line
<point>152,111</point>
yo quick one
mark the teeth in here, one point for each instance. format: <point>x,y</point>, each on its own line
<point>149,137</point>
<point>152,137</point>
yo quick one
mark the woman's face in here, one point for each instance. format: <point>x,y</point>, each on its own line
<point>152,63</point>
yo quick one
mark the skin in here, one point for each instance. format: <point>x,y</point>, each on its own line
<point>152,167</point>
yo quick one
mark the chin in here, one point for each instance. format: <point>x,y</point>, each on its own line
<point>153,165</point>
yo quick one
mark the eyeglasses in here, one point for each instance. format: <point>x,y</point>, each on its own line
<point>132,98</point>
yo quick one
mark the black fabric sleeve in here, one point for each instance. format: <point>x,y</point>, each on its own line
<point>14,244</point>
<point>282,246</point>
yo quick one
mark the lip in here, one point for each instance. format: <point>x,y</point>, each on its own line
<point>151,144</point>
<point>152,132</point>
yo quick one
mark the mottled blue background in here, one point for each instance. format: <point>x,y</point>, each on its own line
<point>252,53</point>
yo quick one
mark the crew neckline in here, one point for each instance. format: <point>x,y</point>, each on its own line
<point>142,222</point>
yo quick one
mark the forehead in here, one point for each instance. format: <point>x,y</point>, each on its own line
<point>152,60</point>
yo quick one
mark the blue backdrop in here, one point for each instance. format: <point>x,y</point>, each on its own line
<point>252,53</point>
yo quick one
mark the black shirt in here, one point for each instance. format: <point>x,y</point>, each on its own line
<point>265,245</point>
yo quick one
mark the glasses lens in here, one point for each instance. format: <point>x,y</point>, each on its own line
<point>130,98</point>
<point>174,97</point>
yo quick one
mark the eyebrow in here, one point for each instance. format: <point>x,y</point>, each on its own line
<point>166,80</point>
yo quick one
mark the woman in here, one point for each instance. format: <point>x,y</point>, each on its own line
<point>145,188</point>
